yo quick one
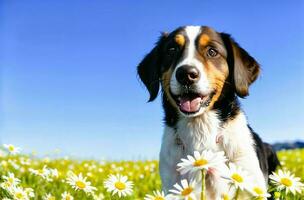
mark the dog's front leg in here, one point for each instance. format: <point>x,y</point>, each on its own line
<point>170,154</point>
<point>239,147</point>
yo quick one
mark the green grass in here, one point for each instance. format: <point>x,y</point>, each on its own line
<point>144,174</point>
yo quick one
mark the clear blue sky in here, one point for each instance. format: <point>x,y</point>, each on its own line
<point>68,71</point>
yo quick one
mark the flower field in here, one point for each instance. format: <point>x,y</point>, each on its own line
<point>31,177</point>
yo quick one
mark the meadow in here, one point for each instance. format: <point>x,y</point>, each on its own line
<point>47,178</point>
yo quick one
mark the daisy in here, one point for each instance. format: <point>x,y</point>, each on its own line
<point>284,180</point>
<point>185,191</point>
<point>12,149</point>
<point>11,180</point>
<point>49,197</point>
<point>6,186</point>
<point>225,196</point>
<point>29,192</point>
<point>237,176</point>
<point>98,197</point>
<point>118,184</point>
<point>157,195</point>
<point>25,161</point>
<point>277,195</point>
<point>4,164</point>
<point>44,172</point>
<point>80,183</point>
<point>54,173</point>
<point>66,196</point>
<point>14,164</point>
<point>19,194</point>
<point>202,161</point>
<point>259,193</point>
<point>229,194</point>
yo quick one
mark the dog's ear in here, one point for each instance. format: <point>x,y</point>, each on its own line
<point>149,69</point>
<point>245,69</point>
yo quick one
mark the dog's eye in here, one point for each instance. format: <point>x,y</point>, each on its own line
<point>172,50</point>
<point>212,52</point>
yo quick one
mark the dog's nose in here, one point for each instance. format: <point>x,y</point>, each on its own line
<point>187,75</point>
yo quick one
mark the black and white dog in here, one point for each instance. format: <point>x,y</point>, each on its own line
<point>202,73</point>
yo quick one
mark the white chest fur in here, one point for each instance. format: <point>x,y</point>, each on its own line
<point>203,133</point>
<point>200,133</point>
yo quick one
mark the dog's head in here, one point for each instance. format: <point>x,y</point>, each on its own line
<point>193,64</point>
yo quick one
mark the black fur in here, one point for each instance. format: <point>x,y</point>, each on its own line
<point>149,69</point>
<point>239,60</point>
<point>227,106</point>
<point>267,157</point>
<point>171,114</point>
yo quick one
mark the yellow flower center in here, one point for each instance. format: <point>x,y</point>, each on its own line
<point>225,197</point>
<point>119,185</point>
<point>277,195</point>
<point>286,181</point>
<point>187,191</point>
<point>11,148</point>
<point>10,180</point>
<point>258,190</point>
<point>80,184</point>
<point>199,163</point>
<point>18,195</point>
<point>8,184</point>
<point>238,178</point>
<point>159,198</point>
<point>68,197</point>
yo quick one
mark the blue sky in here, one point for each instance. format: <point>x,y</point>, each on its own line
<point>68,71</point>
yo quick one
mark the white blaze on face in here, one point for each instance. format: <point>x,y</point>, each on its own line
<point>192,32</point>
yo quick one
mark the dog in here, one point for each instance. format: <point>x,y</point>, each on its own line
<point>202,73</point>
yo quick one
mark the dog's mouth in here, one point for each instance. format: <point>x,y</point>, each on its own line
<point>191,103</point>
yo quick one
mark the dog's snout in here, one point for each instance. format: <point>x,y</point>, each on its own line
<point>187,75</point>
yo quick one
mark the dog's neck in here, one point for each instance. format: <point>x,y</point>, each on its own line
<point>203,131</point>
<point>200,132</point>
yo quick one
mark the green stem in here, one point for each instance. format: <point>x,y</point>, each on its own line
<point>237,194</point>
<point>203,193</point>
<point>283,195</point>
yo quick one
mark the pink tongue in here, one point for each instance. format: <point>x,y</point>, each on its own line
<point>190,105</point>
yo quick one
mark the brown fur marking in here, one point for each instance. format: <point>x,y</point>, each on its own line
<point>166,77</point>
<point>204,40</point>
<point>180,39</point>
